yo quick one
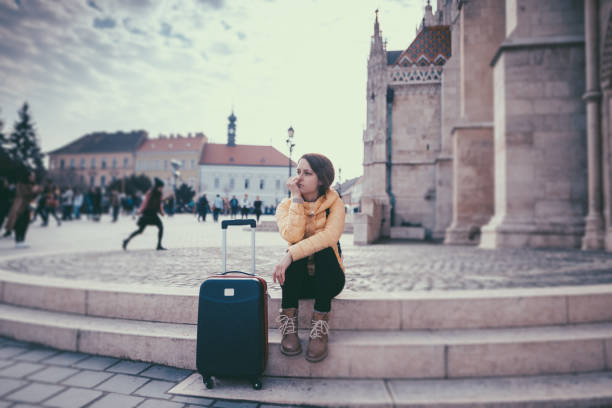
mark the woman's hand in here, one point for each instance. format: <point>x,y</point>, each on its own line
<point>293,187</point>
<point>279,270</point>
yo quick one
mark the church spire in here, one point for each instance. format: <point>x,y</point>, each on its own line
<point>231,130</point>
<point>377,43</point>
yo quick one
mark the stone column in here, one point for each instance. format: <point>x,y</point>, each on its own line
<point>540,148</point>
<point>594,236</point>
<point>482,29</point>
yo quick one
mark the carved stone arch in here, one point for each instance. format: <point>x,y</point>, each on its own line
<point>606,57</point>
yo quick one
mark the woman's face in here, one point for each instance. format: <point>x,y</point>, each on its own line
<point>307,180</point>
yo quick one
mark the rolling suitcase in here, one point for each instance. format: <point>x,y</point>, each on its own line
<point>232,339</point>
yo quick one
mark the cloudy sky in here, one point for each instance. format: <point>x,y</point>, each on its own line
<point>179,66</point>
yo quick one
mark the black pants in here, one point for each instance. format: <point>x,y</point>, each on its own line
<point>21,225</point>
<point>149,219</point>
<point>327,282</point>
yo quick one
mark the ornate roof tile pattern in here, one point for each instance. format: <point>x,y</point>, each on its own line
<point>102,142</point>
<point>431,46</point>
<point>242,155</point>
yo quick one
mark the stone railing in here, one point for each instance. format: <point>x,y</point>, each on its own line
<point>415,74</point>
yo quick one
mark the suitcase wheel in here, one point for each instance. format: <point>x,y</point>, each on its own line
<point>256,384</point>
<point>208,381</point>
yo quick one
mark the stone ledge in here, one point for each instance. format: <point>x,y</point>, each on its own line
<point>363,311</point>
<point>582,390</point>
<point>353,354</point>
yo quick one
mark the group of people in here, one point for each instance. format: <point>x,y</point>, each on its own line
<point>231,207</point>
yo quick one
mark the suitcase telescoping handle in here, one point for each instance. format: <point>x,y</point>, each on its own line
<point>227,223</point>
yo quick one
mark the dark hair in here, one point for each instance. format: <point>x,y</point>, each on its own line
<point>323,168</point>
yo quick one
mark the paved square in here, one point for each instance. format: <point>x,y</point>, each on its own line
<point>9,351</point>
<point>156,389</point>
<point>166,373</point>
<point>117,401</point>
<point>87,379</point>
<point>73,398</point>
<point>96,363</point>
<point>128,367</point>
<point>9,384</point>
<point>36,355</point>
<point>34,393</point>
<point>122,384</point>
<point>66,358</point>
<point>53,374</point>
<point>20,370</point>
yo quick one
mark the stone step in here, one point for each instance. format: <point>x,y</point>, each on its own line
<point>371,311</point>
<point>580,390</point>
<point>352,353</point>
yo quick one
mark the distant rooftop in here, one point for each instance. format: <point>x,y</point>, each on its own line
<point>103,142</point>
<point>242,155</point>
<point>174,143</point>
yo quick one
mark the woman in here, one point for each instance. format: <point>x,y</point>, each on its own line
<point>19,216</point>
<point>311,221</point>
<point>257,207</point>
<point>151,205</point>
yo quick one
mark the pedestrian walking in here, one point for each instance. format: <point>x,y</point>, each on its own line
<point>151,206</point>
<point>51,204</point>
<point>246,205</point>
<point>96,203</point>
<point>202,207</point>
<point>19,215</point>
<point>311,221</point>
<point>257,207</point>
<point>217,207</point>
<point>66,200</point>
<point>6,200</point>
<point>77,203</point>
<point>234,206</point>
<point>115,203</point>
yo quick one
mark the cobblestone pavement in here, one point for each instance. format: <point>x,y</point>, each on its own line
<point>35,376</point>
<point>195,253</point>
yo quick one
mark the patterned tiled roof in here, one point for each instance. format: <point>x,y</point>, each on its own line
<point>392,56</point>
<point>431,46</point>
<point>242,155</point>
<point>102,142</point>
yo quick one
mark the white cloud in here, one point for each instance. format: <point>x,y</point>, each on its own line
<point>174,66</point>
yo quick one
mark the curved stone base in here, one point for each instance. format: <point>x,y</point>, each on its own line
<point>510,234</point>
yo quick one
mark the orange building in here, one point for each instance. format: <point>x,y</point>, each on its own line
<point>96,159</point>
<point>155,156</point>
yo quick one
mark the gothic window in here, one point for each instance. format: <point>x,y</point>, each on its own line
<point>102,181</point>
<point>261,184</point>
<point>72,163</point>
<point>114,162</point>
<point>372,96</point>
<point>61,163</point>
<point>216,182</point>
<point>82,163</point>
<point>103,165</point>
<point>93,164</point>
<point>246,184</point>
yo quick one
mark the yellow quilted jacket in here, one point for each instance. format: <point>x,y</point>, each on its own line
<point>307,228</point>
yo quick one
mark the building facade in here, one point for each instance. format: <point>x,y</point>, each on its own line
<point>232,170</point>
<point>155,156</point>
<point>523,134</point>
<point>96,159</point>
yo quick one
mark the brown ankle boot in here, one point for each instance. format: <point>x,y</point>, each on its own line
<point>290,344</point>
<point>317,344</point>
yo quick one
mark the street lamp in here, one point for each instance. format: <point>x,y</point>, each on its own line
<point>339,181</point>
<point>290,145</point>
